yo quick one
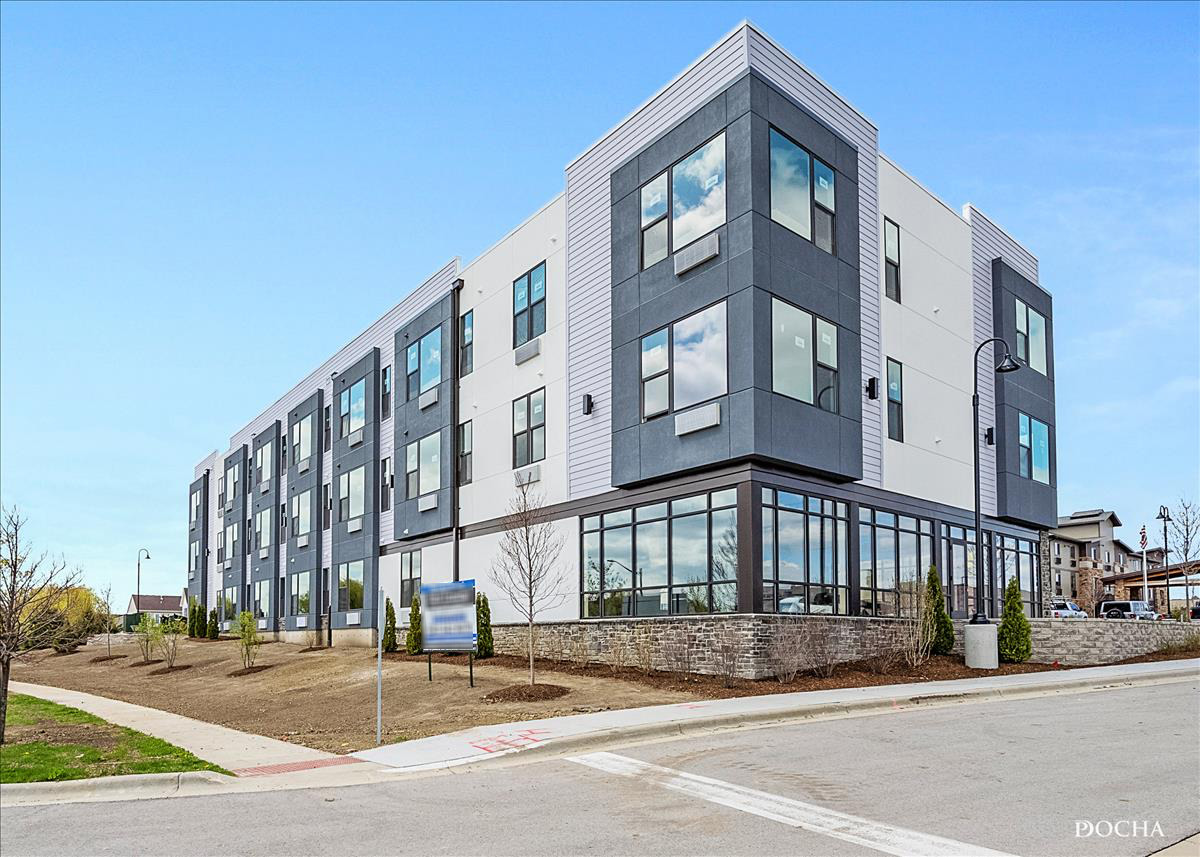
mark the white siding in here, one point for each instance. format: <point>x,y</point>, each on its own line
<point>989,242</point>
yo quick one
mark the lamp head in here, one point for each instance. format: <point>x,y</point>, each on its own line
<point>1008,364</point>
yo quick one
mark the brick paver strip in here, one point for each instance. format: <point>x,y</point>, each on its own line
<point>289,767</point>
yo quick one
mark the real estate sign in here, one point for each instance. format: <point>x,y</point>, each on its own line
<point>448,617</point>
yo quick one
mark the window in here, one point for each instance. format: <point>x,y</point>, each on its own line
<point>300,593</point>
<point>326,506</point>
<point>385,484</point>
<point>232,472</point>
<point>263,460</point>
<point>352,494</point>
<point>385,392</point>
<point>1031,337</point>
<point>283,519</point>
<point>894,555</point>
<point>895,400</point>
<point>352,407</point>
<point>194,557</point>
<point>665,558</point>
<point>350,585</point>
<point>328,432</point>
<point>798,370</point>
<point>262,529</point>
<point>262,597</point>
<point>699,357</point>
<point>529,305</point>
<point>465,449</point>
<point>1033,445</point>
<point>194,515</point>
<point>529,428</point>
<point>220,491</point>
<point>805,556</point>
<point>466,343</point>
<point>422,466</point>
<point>803,192</point>
<point>302,439</point>
<point>410,576</point>
<point>231,539</point>
<point>698,193</point>
<point>654,221</point>
<point>302,514</point>
<point>891,260</point>
<point>656,379</point>
<point>423,363</point>
<point>1019,558</point>
<point>229,603</point>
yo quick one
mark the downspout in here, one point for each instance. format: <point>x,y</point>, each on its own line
<point>455,378</point>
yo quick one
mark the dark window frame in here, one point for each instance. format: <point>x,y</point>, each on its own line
<point>670,370</point>
<point>666,215</point>
<point>466,343</point>
<point>670,191</point>
<point>813,206</point>
<point>525,437</point>
<point>530,328</point>
<point>829,514</point>
<point>816,361</point>
<point>891,267</point>
<point>410,582</point>
<point>385,487</point>
<point>895,406</point>
<point>327,440</point>
<point>385,392</point>
<point>466,444</point>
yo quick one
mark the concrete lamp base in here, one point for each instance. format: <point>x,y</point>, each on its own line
<point>981,646</point>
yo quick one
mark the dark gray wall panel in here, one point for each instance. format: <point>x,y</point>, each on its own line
<point>306,558</point>
<point>265,568</point>
<point>235,508</point>
<point>198,533</point>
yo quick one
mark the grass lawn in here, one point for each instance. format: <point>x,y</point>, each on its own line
<point>46,741</point>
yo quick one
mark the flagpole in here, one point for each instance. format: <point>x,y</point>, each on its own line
<point>1145,577</point>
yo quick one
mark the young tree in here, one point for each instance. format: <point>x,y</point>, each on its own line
<point>104,606</point>
<point>1014,635</point>
<point>214,629</point>
<point>248,638</point>
<point>168,640</point>
<point>525,566</point>
<point>149,635</point>
<point>486,646</point>
<point>389,627</point>
<point>916,631</point>
<point>29,587</point>
<point>1185,539</point>
<point>943,627</point>
<point>412,639</point>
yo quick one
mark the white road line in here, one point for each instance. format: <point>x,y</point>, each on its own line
<point>871,834</point>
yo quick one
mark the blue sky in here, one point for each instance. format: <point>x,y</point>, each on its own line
<point>200,192</point>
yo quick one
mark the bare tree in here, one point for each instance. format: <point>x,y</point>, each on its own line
<point>915,632</point>
<point>30,587</point>
<point>104,605</point>
<point>525,566</point>
<point>1185,538</point>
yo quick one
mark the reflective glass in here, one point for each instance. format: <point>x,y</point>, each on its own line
<point>791,351</point>
<point>698,193</point>
<point>698,344</point>
<point>790,192</point>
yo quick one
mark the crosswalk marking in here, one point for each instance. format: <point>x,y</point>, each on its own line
<point>872,834</point>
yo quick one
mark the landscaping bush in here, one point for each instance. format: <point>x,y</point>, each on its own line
<point>248,638</point>
<point>213,627</point>
<point>149,634</point>
<point>1014,638</point>
<point>943,628</point>
<point>168,641</point>
<point>483,621</point>
<point>389,628</point>
<point>412,640</point>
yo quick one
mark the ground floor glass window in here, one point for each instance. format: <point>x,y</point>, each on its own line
<point>805,554</point>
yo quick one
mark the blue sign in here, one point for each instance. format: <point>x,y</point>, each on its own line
<point>448,617</point>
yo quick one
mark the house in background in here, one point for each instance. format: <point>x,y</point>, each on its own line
<point>158,606</point>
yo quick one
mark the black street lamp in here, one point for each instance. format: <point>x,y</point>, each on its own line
<point>1164,515</point>
<point>1006,364</point>
<point>137,604</point>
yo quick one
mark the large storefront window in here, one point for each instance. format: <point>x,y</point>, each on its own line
<point>674,557</point>
<point>805,554</point>
<point>894,555</point>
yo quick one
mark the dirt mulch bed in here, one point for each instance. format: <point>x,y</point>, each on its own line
<point>527,693</point>
<point>100,735</point>
<point>1155,657</point>
<point>257,668</point>
<point>148,663</point>
<point>104,658</point>
<point>167,670</point>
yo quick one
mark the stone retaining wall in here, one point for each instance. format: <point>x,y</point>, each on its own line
<point>753,645</point>
<point>1086,642</point>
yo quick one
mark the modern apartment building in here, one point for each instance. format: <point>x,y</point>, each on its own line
<point>733,357</point>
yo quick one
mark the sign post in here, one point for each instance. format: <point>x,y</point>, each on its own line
<point>379,673</point>
<point>448,621</point>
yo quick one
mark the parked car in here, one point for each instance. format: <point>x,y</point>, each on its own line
<point>1127,610</point>
<point>1060,609</point>
<point>1196,611</point>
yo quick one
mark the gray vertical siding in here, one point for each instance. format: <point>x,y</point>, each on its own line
<point>589,367</point>
<point>988,242</point>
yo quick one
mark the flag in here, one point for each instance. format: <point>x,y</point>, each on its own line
<point>1143,536</point>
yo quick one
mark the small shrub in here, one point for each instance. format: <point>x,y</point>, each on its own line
<point>389,627</point>
<point>412,640</point>
<point>818,647</point>
<point>168,641</point>
<point>1189,645</point>
<point>1014,636</point>
<point>248,638</point>
<point>214,628</point>
<point>148,633</point>
<point>943,628</point>
<point>579,649</point>
<point>915,633</point>
<point>727,650</point>
<point>784,655</point>
<point>483,622</point>
<point>643,648</point>
<point>886,659</point>
<point>618,655</point>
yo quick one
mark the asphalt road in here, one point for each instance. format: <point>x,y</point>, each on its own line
<point>1021,778</point>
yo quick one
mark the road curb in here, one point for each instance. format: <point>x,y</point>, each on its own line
<point>124,786</point>
<point>645,733</point>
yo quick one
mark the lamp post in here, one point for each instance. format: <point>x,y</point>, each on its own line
<point>1164,515</point>
<point>137,602</point>
<point>1006,364</point>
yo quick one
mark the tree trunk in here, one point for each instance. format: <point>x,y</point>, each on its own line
<point>531,651</point>
<point>5,667</point>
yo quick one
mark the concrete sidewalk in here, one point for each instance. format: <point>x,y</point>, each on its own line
<point>575,733</point>
<point>240,752</point>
